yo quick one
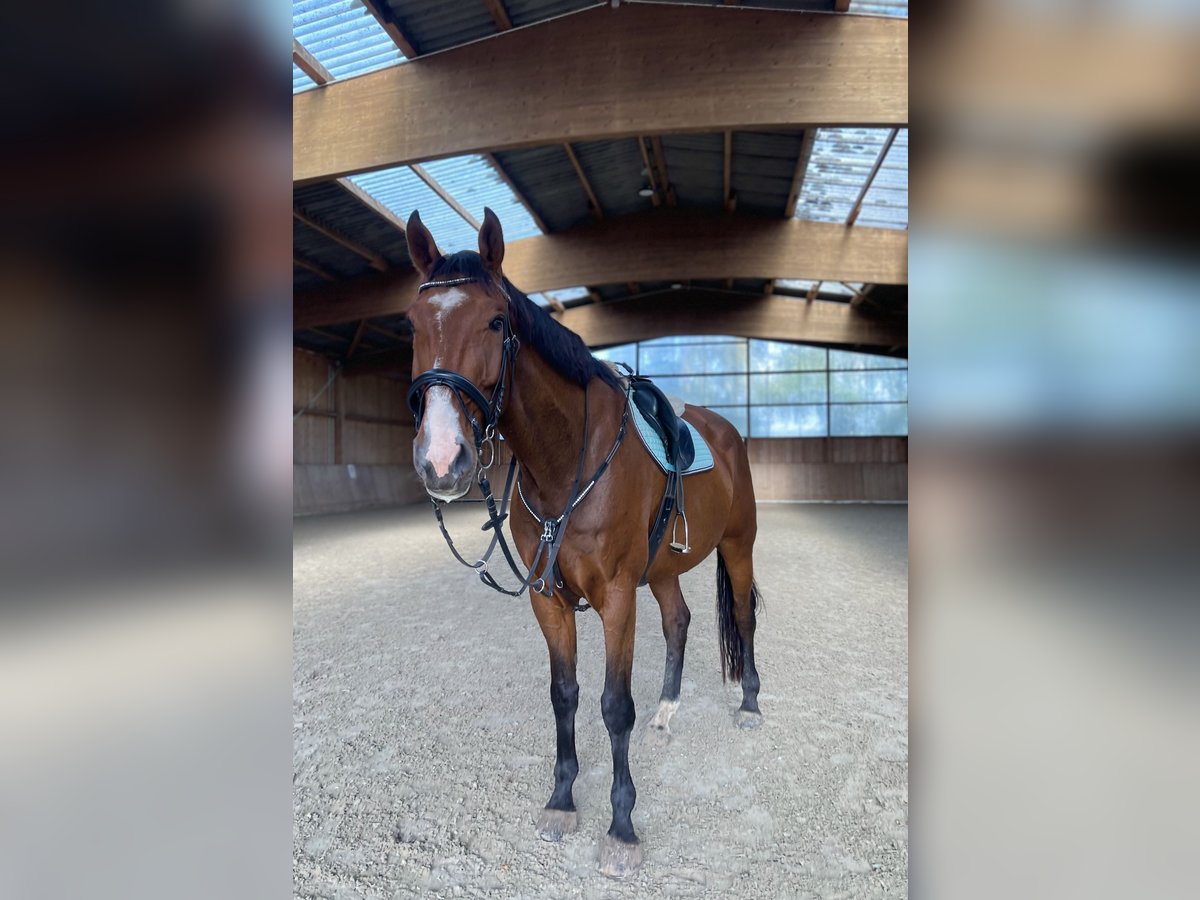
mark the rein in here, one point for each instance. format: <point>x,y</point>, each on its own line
<point>553,529</point>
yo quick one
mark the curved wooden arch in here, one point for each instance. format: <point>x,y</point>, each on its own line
<point>608,73</point>
<point>661,245</point>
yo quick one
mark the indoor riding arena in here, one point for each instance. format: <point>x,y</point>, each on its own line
<point>716,196</point>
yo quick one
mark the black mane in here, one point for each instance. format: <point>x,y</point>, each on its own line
<point>562,348</point>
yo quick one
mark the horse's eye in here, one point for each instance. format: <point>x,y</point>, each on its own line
<point>497,323</point>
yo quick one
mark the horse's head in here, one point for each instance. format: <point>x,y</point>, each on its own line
<point>463,351</point>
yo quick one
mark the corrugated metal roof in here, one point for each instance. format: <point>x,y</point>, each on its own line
<point>614,170</point>
<point>343,36</point>
<point>474,184</point>
<point>897,9</point>
<point>401,191</point>
<point>332,205</point>
<point>329,255</point>
<point>526,12</point>
<point>300,80</point>
<point>695,166</point>
<point>762,169</point>
<point>841,161</point>
<point>547,180</point>
<point>430,27</point>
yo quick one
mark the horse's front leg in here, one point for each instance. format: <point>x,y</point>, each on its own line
<point>558,627</point>
<point>621,852</point>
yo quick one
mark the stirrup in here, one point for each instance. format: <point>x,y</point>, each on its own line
<point>686,546</point>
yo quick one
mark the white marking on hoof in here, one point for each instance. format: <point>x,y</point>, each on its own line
<point>662,718</point>
<point>552,824</point>
<point>618,859</point>
<point>744,718</point>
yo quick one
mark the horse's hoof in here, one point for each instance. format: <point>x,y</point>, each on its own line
<point>745,718</point>
<point>619,859</point>
<point>657,735</point>
<point>552,824</point>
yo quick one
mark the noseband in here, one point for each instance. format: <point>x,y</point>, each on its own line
<point>553,529</point>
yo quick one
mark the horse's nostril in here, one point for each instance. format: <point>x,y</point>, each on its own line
<point>461,462</point>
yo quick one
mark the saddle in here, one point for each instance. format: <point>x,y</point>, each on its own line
<point>676,436</point>
<point>680,451</point>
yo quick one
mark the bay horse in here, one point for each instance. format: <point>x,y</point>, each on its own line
<point>488,361</point>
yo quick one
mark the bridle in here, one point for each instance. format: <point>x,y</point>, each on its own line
<point>553,529</point>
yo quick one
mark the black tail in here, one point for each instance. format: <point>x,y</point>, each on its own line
<point>733,654</point>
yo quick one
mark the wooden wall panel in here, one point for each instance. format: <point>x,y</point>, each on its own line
<point>369,443</point>
<point>868,469</point>
<point>309,372</point>
<point>312,440</point>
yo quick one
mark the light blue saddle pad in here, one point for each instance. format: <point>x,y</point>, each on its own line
<point>703,461</point>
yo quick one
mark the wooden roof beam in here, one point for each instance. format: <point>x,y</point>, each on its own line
<point>375,259</point>
<point>842,70</point>
<point>593,201</point>
<point>656,197</point>
<point>310,266</point>
<point>806,148</point>
<point>499,14</point>
<point>373,204</point>
<point>521,198</point>
<point>883,152</point>
<point>446,196</point>
<point>728,173</point>
<point>387,20</point>
<point>692,311</point>
<point>660,160</point>
<point>657,245</point>
<point>309,64</point>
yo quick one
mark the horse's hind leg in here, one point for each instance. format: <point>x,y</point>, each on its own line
<point>558,627</point>
<point>737,602</point>
<point>675,619</point>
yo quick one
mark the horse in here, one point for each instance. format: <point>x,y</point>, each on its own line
<point>489,361</point>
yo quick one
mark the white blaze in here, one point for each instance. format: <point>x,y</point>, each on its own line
<point>445,301</point>
<point>443,433</point>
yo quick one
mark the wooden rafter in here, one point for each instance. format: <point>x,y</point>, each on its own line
<point>446,196</point>
<point>388,22</point>
<point>883,152</point>
<point>386,332</point>
<point>841,6</point>
<point>535,94</point>
<point>311,266</point>
<point>596,209</point>
<point>499,14</point>
<point>812,291</point>
<point>521,198</point>
<point>358,335</point>
<point>656,197</point>
<point>861,296</point>
<point>653,246</point>
<point>376,260</point>
<point>370,202</point>
<point>769,288</point>
<point>806,148</point>
<point>660,160</point>
<point>309,64</point>
<point>728,172</point>
<point>328,335</point>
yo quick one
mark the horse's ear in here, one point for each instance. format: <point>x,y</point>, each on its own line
<point>491,242</point>
<point>421,248</point>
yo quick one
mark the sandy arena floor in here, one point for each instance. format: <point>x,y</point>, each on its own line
<point>424,737</point>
